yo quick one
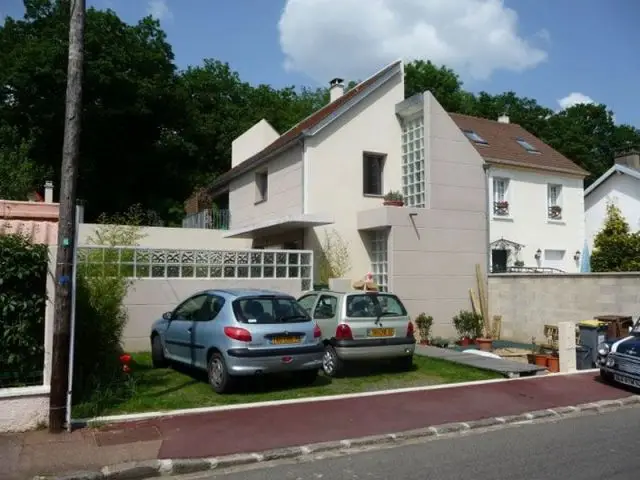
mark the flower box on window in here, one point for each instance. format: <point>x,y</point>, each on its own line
<point>394,199</point>
<point>501,208</point>
<point>555,212</point>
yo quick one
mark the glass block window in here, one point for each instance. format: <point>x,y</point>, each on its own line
<point>378,255</point>
<point>413,174</point>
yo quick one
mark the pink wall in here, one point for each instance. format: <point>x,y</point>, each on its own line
<point>37,220</point>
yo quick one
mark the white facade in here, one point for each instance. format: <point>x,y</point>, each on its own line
<point>543,212</point>
<point>620,186</point>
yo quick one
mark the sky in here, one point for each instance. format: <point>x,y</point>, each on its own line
<point>557,52</point>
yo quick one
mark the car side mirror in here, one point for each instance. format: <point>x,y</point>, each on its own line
<point>167,315</point>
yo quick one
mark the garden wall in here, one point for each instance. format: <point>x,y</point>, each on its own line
<point>529,301</point>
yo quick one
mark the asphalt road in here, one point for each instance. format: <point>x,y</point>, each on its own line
<point>605,446</point>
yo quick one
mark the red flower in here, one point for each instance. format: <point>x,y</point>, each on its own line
<point>125,358</point>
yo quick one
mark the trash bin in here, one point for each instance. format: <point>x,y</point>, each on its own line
<point>583,358</point>
<point>618,325</point>
<point>592,334</point>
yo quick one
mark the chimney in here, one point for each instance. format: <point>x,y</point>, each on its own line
<point>336,89</point>
<point>503,118</point>
<point>629,158</point>
<point>48,191</point>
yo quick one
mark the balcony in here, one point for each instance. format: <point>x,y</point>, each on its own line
<point>554,212</point>
<point>209,219</point>
<point>501,208</point>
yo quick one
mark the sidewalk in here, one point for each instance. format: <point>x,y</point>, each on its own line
<point>265,428</point>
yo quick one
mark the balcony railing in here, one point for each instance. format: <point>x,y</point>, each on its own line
<point>501,209</point>
<point>554,212</point>
<point>209,219</point>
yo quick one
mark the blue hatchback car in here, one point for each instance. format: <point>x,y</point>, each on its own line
<point>239,332</point>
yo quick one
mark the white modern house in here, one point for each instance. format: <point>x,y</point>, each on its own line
<point>536,197</point>
<point>328,176</point>
<point>619,185</point>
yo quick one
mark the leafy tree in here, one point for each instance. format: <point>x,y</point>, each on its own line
<point>442,82</point>
<point>616,249</point>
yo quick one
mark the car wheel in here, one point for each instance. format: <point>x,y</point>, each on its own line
<point>405,363</point>
<point>158,360</point>
<point>332,366</point>
<point>218,374</point>
<point>306,377</point>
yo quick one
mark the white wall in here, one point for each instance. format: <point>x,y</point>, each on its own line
<point>175,238</point>
<point>333,163</point>
<point>624,192</point>
<point>527,223</point>
<point>252,141</point>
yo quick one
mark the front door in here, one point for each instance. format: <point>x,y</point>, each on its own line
<point>499,261</point>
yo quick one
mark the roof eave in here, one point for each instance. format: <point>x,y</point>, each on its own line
<point>605,176</point>
<point>498,161</point>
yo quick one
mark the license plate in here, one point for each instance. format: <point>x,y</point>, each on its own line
<point>381,332</point>
<point>627,381</point>
<point>285,340</point>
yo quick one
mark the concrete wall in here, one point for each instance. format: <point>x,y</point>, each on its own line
<point>252,141</point>
<point>528,223</point>
<point>284,191</point>
<point>178,238</point>
<point>333,163</point>
<point>149,298</point>
<point>528,302</point>
<point>621,190</point>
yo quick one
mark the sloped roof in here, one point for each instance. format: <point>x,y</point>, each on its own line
<point>617,168</point>
<point>299,130</point>
<point>502,147</point>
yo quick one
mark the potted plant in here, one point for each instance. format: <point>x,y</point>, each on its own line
<point>484,340</point>
<point>540,357</point>
<point>553,362</point>
<point>518,263</point>
<point>393,199</point>
<point>468,325</point>
<point>424,323</point>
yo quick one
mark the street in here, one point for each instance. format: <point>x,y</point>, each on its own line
<point>585,448</point>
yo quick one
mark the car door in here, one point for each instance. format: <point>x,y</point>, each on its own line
<point>308,301</point>
<point>325,313</point>
<point>206,331</point>
<point>178,336</point>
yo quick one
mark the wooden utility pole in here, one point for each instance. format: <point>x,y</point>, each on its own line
<point>67,221</point>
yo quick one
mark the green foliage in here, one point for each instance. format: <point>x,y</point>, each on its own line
<point>468,324</point>
<point>23,297</point>
<point>616,249</point>
<point>424,323</point>
<point>335,260</point>
<point>394,196</point>
<point>102,285</point>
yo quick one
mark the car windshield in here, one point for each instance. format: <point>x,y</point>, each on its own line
<point>269,309</point>
<point>374,305</point>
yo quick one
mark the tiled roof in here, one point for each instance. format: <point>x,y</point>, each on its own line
<point>297,131</point>
<point>502,146</point>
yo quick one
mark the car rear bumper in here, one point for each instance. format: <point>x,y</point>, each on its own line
<point>243,361</point>
<point>373,349</point>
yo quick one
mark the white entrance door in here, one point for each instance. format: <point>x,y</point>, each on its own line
<point>554,259</point>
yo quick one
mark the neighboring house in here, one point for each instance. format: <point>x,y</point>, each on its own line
<point>535,197</point>
<point>619,185</point>
<point>329,173</point>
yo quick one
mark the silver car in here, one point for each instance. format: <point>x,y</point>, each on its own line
<point>361,326</point>
<point>237,332</point>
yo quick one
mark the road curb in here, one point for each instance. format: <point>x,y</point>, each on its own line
<point>156,468</point>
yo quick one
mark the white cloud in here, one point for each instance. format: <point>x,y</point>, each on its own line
<point>159,10</point>
<point>574,98</point>
<point>353,38</point>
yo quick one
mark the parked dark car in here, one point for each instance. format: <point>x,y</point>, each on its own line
<point>619,359</point>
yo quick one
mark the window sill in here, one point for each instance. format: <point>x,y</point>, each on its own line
<point>258,202</point>
<point>503,218</point>
<point>373,195</point>
<point>556,222</point>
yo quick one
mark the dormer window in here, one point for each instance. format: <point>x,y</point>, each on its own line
<point>527,146</point>
<point>474,137</point>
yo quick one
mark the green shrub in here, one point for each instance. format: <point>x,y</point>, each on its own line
<point>468,324</point>
<point>23,298</point>
<point>616,249</point>
<point>424,323</point>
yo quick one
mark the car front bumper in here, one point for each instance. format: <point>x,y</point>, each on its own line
<point>374,349</point>
<point>246,362</point>
<point>621,377</point>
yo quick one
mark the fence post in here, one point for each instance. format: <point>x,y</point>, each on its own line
<point>567,346</point>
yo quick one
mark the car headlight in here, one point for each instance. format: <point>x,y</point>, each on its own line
<point>603,349</point>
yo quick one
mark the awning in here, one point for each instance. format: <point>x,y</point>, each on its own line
<point>504,244</point>
<point>279,225</point>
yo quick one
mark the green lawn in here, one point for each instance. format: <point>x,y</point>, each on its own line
<point>170,389</point>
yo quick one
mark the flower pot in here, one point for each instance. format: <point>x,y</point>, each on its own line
<point>531,358</point>
<point>393,203</point>
<point>541,360</point>
<point>484,344</point>
<point>553,364</point>
<point>464,342</point>
<point>425,342</point>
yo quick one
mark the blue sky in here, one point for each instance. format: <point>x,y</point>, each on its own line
<point>553,48</point>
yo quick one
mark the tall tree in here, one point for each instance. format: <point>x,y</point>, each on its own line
<point>442,82</point>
